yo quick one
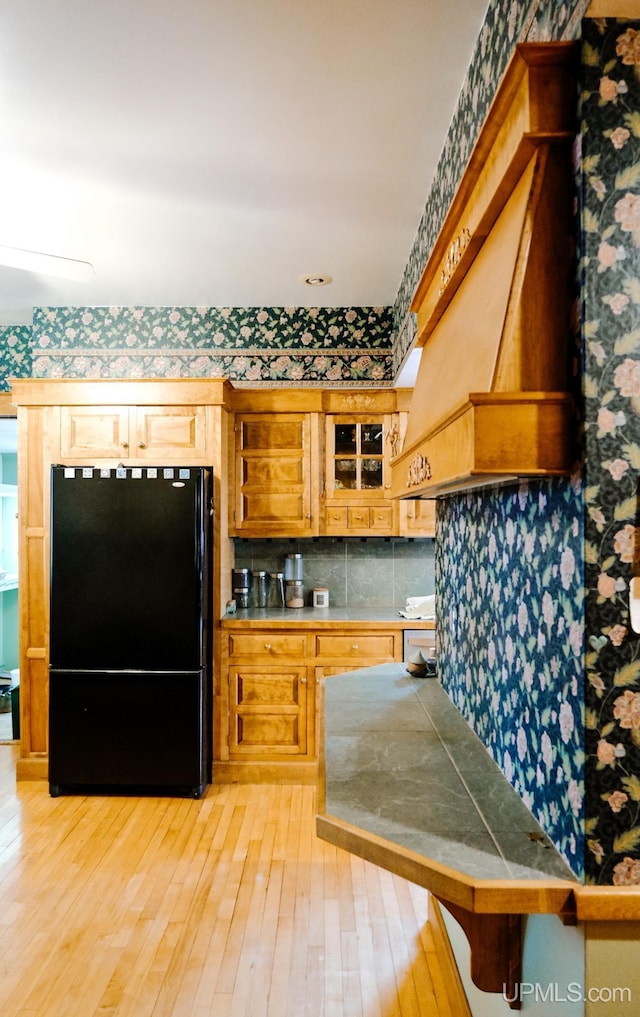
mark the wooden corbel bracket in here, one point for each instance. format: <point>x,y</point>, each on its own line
<point>496,950</point>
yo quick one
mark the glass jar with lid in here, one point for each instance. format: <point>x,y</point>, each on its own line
<point>275,596</point>
<point>294,594</point>
<point>293,568</point>
<point>259,589</point>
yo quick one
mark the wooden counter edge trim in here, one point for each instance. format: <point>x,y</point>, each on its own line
<point>232,622</point>
<point>487,896</point>
<point>607,903</point>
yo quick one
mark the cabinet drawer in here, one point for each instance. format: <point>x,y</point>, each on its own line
<point>381,518</point>
<point>336,516</point>
<point>266,644</point>
<point>358,517</point>
<point>379,646</point>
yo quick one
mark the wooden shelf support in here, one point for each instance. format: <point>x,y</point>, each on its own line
<point>496,950</point>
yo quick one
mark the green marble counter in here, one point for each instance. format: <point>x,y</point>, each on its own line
<point>401,764</point>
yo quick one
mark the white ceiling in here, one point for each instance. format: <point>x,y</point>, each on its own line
<point>211,152</point>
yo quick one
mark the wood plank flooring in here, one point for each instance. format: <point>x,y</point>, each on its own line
<point>224,907</point>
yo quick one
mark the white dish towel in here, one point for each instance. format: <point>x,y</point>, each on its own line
<point>418,608</point>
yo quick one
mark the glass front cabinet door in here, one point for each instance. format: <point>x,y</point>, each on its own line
<point>357,476</point>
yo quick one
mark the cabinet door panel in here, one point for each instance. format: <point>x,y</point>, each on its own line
<point>272,475</point>
<point>269,507</point>
<point>267,710</point>
<point>267,734</point>
<point>418,518</point>
<point>170,431</point>
<point>89,432</point>
<point>260,433</point>
<point>272,472</point>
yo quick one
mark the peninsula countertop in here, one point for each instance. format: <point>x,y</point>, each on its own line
<point>400,767</point>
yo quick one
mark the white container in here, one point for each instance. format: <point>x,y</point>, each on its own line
<point>321,597</point>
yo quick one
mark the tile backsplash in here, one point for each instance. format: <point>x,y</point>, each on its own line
<point>358,572</point>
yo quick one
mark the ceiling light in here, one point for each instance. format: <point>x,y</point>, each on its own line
<point>47,264</point>
<point>316,279</point>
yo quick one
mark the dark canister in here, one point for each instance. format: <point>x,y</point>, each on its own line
<point>240,586</point>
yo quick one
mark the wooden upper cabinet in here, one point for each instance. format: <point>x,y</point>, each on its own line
<point>418,518</point>
<point>273,475</point>
<point>172,431</point>
<point>126,432</point>
<point>90,431</point>
<point>357,477</point>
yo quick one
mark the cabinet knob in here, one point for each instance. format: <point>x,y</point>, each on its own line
<point>354,646</point>
<point>125,444</point>
<point>141,444</point>
<point>267,646</point>
<point>303,681</point>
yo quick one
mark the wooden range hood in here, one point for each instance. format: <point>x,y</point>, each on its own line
<point>490,402</point>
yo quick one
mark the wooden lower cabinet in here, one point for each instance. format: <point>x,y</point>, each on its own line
<point>269,692</point>
<point>268,711</point>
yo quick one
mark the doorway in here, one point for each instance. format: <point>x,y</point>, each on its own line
<point>9,617</point>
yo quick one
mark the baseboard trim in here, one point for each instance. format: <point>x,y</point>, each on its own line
<point>264,773</point>
<point>32,768</point>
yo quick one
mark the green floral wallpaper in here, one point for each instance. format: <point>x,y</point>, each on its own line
<point>611,324</point>
<point>15,354</point>
<point>255,345</point>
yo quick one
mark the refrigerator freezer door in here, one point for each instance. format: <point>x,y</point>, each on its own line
<point>128,732</point>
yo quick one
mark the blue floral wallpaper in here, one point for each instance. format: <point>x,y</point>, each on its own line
<point>510,594</point>
<point>510,562</point>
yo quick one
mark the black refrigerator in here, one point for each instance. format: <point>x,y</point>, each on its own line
<point>130,684</point>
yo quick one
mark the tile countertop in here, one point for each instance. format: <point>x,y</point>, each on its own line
<point>314,617</point>
<point>401,763</point>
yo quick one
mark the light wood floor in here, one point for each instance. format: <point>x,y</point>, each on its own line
<point>228,906</point>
